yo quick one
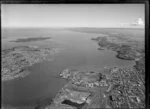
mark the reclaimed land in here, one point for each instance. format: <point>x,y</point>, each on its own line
<point>31,39</point>
<point>111,88</point>
<point>16,60</point>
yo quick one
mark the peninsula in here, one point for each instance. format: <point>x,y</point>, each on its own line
<point>16,60</point>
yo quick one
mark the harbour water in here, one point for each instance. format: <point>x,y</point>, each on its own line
<point>77,51</point>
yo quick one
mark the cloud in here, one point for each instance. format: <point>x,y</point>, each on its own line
<point>138,22</point>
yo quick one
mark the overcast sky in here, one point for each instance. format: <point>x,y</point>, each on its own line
<point>72,15</point>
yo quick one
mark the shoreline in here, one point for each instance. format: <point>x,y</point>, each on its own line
<point>76,87</point>
<point>16,60</point>
<point>107,83</point>
<point>119,81</point>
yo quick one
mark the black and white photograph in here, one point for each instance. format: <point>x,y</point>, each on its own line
<point>73,56</point>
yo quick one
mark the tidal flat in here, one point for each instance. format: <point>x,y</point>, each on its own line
<point>81,75</point>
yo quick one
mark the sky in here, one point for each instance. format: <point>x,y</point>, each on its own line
<point>72,15</point>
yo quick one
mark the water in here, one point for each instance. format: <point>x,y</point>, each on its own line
<point>79,52</point>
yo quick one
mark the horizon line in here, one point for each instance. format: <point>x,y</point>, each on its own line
<point>78,27</point>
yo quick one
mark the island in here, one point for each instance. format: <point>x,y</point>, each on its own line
<point>31,39</point>
<point>16,60</point>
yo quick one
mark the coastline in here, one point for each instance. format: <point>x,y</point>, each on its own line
<point>16,60</point>
<point>117,84</point>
